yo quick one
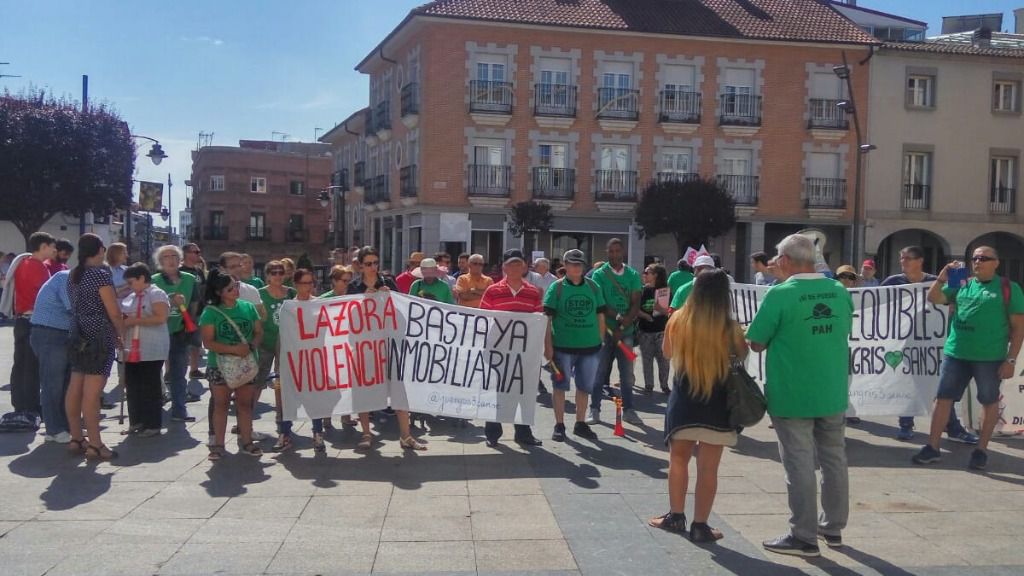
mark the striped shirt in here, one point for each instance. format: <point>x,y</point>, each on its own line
<point>500,296</point>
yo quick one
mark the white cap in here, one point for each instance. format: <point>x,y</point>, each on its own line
<point>704,261</point>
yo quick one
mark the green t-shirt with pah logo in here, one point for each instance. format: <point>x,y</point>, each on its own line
<point>805,322</point>
<point>980,330</point>
<point>243,313</point>
<point>573,310</point>
<point>436,290</point>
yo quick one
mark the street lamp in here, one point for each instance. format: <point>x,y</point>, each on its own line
<point>850,107</point>
<point>339,212</point>
<point>156,152</point>
<point>156,155</point>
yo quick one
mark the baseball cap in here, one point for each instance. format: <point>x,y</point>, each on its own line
<point>705,261</point>
<point>512,254</point>
<point>574,256</point>
<point>846,269</point>
<point>869,263</point>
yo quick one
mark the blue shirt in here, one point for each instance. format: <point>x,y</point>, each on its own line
<point>53,306</point>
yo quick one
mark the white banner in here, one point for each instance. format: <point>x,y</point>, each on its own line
<point>362,353</point>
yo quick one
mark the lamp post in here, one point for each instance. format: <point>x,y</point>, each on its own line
<point>156,155</point>
<point>339,210</point>
<point>849,105</point>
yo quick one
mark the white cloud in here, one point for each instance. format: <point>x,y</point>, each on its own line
<point>203,40</point>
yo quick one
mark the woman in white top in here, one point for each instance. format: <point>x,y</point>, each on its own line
<point>117,258</point>
<point>147,343</point>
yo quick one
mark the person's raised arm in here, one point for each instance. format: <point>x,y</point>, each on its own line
<point>935,292</point>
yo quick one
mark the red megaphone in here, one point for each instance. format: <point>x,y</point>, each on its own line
<point>135,354</point>
<point>626,350</point>
<point>190,326</point>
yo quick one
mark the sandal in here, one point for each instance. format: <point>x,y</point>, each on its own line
<point>701,533</point>
<point>216,452</point>
<point>100,452</point>
<point>318,443</point>
<point>670,521</point>
<point>252,449</point>
<point>365,443</point>
<point>410,443</point>
<point>77,447</point>
<point>133,429</point>
<point>283,443</point>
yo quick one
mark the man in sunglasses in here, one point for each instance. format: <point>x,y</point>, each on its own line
<point>984,340</point>
<point>912,266</point>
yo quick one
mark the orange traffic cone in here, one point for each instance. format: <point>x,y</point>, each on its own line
<point>619,430</point>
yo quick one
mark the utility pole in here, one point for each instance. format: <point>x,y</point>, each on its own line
<point>85,110</point>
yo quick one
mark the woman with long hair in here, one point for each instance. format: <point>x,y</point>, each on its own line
<point>95,338</point>
<point>224,311</point>
<point>369,282</point>
<point>145,310</point>
<point>653,318</point>
<point>701,340</point>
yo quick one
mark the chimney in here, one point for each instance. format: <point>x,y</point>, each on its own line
<point>982,38</point>
<point>1018,15</point>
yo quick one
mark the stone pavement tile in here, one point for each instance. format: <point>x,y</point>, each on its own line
<point>339,558</point>
<point>115,502</point>
<point>411,504</point>
<point>258,508</point>
<point>168,471</point>
<point>966,525</point>
<point>888,552</point>
<point>970,500</point>
<point>434,529</point>
<point>332,487</point>
<point>437,488</point>
<point>171,503</point>
<point>413,556</point>
<point>892,502</point>
<point>525,517</point>
<point>357,508</point>
<point>504,487</point>
<point>524,555</point>
<point>985,549</point>
<point>111,559</point>
<point>6,526</point>
<point>219,558</point>
<point>130,531</point>
<point>19,509</point>
<point>248,531</point>
<point>35,547</point>
<point>753,503</point>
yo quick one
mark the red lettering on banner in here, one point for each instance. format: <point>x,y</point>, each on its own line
<point>350,317</point>
<point>297,371</point>
<point>339,367</point>
<point>390,315</point>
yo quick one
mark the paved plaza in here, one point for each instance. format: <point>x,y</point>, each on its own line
<point>463,508</point>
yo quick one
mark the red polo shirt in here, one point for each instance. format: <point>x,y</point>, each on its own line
<point>404,281</point>
<point>28,279</point>
<point>499,296</point>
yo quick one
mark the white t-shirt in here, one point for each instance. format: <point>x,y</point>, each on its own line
<point>154,341</point>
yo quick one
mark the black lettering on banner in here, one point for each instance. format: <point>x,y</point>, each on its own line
<point>413,326</point>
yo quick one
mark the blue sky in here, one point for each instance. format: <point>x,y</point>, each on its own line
<point>239,69</point>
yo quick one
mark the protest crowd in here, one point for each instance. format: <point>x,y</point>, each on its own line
<point>153,322</point>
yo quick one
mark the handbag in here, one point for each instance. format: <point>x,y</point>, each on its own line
<point>743,397</point>
<point>237,370</point>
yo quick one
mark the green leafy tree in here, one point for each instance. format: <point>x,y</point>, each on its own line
<point>56,159</point>
<point>693,212</point>
<point>530,216</point>
<point>304,262</point>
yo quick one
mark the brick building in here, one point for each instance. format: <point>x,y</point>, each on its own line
<point>261,198</point>
<point>475,105</point>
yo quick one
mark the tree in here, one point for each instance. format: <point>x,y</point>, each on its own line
<point>530,216</point>
<point>693,211</point>
<point>56,159</point>
<point>304,262</point>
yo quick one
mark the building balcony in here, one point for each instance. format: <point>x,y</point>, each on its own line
<point>554,100</point>
<point>215,233</point>
<point>553,183</point>
<point>369,124</point>
<point>826,114</point>
<point>297,235</point>
<point>618,104</point>
<point>359,176</point>
<point>340,178</point>
<point>825,193</point>
<point>744,189</point>
<point>489,181</point>
<point>679,107</point>
<point>615,185</point>
<point>917,196</point>
<point>410,106</point>
<point>489,97</point>
<point>258,233</point>
<point>407,181</point>
<point>379,190</point>
<point>677,177</point>
<point>382,120</point>
<point>1002,200</point>
<point>739,110</point>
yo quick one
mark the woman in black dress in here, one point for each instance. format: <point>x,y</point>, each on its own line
<point>95,337</point>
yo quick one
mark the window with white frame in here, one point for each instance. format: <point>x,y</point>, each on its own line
<point>678,94</point>
<point>1004,96</point>
<point>1004,179</point>
<point>552,155</point>
<point>490,71</point>
<point>916,179</point>
<point>488,170</point>
<point>297,188</point>
<point>616,91</point>
<point>921,91</point>
<point>258,185</point>
<point>736,162</point>
<point>553,86</point>
<point>217,183</point>
<point>738,90</point>
<point>823,187</point>
<point>676,160</point>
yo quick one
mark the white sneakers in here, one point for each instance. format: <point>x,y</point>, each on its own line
<point>59,438</point>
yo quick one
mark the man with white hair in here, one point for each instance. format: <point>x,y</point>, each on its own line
<point>541,275</point>
<point>804,324</point>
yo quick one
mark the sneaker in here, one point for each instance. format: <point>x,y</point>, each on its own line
<point>529,441</point>
<point>259,436</point>
<point>583,431</point>
<point>593,416</point>
<point>905,433</point>
<point>792,546</point>
<point>852,420</point>
<point>59,438</point>
<point>979,459</point>
<point>964,437</point>
<point>559,433</point>
<point>631,417</point>
<point>831,541</point>
<point>149,433</point>
<point>927,455</point>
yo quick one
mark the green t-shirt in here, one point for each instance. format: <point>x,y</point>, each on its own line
<point>255,282</point>
<point>329,294</point>
<point>980,330</point>
<point>245,316</point>
<point>677,279</point>
<point>437,290</point>
<point>805,322</point>
<point>679,296</point>
<point>573,311</point>
<point>617,300</point>
<point>273,307</point>
<point>186,286</point>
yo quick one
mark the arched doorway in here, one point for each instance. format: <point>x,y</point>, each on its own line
<point>1011,253</point>
<point>936,251</point>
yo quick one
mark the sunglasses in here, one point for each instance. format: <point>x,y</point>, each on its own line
<point>305,283</point>
<point>982,259</point>
<point>276,272</point>
<point>847,277</point>
<point>371,263</point>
